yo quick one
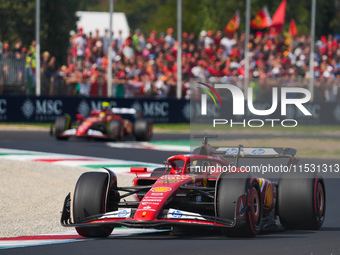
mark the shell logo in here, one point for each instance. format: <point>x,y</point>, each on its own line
<point>161,189</point>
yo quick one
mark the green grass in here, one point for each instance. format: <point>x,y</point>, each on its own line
<point>29,124</point>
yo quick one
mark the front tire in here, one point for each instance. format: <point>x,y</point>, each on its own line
<point>62,123</point>
<point>231,187</point>
<point>301,201</point>
<point>90,199</point>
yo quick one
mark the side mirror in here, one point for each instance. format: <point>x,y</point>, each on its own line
<point>138,169</point>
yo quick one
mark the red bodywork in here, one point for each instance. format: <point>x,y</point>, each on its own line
<point>194,190</point>
<point>96,125</point>
<point>157,206</point>
<point>166,187</point>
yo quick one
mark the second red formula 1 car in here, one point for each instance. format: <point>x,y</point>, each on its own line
<point>106,124</point>
<point>202,190</point>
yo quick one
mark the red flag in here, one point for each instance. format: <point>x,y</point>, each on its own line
<point>278,19</point>
<point>261,20</point>
<point>233,24</point>
<point>292,28</point>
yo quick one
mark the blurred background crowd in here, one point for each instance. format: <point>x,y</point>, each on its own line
<point>144,65</point>
<point>144,59</point>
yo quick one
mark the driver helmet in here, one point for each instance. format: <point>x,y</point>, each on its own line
<point>102,115</point>
<point>105,105</point>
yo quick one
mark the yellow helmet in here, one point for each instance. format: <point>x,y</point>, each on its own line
<point>105,105</point>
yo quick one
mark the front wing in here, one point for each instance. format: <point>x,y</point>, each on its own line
<point>90,133</point>
<point>168,218</point>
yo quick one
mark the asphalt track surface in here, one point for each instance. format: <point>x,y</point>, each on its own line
<point>324,241</point>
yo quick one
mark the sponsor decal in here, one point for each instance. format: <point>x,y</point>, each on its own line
<point>148,199</point>
<point>125,213</point>
<point>147,208</point>
<point>174,179</point>
<point>122,214</point>
<point>157,194</point>
<point>231,151</point>
<point>168,181</point>
<point>94,132</point>
<point>182,177</point>
<point>188,155</point>
<point>157,110</point>
<point>258,151</point>
<point>43,109</point>
<point>186,111</point>
<point>3,109</point>
<point>149,203</point>
<point>205,182</point>
<point>177,214</point>
<point>27,108</point>
<point>84,108</point>
<point>3,104</point>
<point>161,189</point>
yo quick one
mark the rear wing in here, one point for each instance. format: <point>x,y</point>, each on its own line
<point>250,152</point>
<point>118,110</point>
<point>257,152</point>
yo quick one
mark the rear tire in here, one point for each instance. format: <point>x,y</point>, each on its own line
<point>90,199</point>
<point>301,201</point>
<point>116,130</point>
<point>62,123</point>
<point>230,188</point>
<point>142,130</point>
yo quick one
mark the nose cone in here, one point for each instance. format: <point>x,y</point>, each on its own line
<point>162,191</point>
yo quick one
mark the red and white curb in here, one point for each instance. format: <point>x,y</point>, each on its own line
<point>64,237</point>
<point>117,165</point>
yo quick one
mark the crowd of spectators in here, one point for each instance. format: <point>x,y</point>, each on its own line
<point>144,65</point>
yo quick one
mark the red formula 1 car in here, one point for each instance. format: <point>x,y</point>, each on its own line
<point>202,190</point>
<point>106,124</point>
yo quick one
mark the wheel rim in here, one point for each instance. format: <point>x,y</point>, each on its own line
<point>320,200</point>
<point>255,206</point>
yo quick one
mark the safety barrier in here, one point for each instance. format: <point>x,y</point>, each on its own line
<point>45,109</point>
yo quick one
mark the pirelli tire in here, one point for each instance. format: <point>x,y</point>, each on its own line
<point>115,129</point>
<point>142,129</point>
<point>62,123</point>
<point>230,188</point>
<point>90,199</point>
<point>301,201</point>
